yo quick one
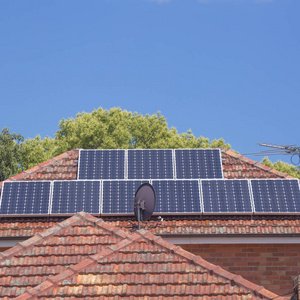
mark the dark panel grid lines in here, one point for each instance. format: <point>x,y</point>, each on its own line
<point>226,196</point>
<point>118,196</point>
<point>150,164</point>
<point>276,196</point>
<point>198,164</point>
<point>27,197</point>
<point>70,197</point>
<point>101,164</point>
<point>177,196</point>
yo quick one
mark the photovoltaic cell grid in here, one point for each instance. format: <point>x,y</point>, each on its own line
<point>150,164</point>
<point>198,163</point>
<point>101,164</point>
<point>276,196</point>
<point>177,196</point>
<point>26,197</point>
<point>226,196</point>
<point>70,197</point>
<point>113,197</point>
<point>118,196</point>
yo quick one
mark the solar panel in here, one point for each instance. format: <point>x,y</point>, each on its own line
<point>198,164</point>
<point>118,196</point>
<point>25,197</point>
<point>276,195</point>
<point>177,196</point>
<point>150,164</point>
<point>70,197</point>
<point>226,196</point>
<point>101,164</point>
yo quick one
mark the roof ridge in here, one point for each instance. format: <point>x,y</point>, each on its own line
<point>41,166</point>
<point>255,163</point>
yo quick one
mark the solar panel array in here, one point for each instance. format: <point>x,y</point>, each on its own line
<point>186,181</point>
<point>150,164</point>
<point>115,197</point>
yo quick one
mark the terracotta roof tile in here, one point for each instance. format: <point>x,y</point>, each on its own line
<point>237,166</point>
<point>61,167</point>
<point>59,247</point>
<point>135,266</point>
<point>171,225</point>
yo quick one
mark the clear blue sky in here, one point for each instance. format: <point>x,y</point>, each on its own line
<point>222,68</point>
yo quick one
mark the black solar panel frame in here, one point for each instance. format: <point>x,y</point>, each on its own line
<point>275,212</point>
<point>227,212</point>
<point>6,183</point>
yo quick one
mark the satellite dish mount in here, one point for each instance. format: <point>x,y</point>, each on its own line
<point>144,202</point>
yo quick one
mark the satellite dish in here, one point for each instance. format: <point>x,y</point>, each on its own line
<point>144,202</point>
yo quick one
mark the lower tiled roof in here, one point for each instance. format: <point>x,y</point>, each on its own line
<point>85,258</point>
<point>176,225</point>
<point>51,251</point>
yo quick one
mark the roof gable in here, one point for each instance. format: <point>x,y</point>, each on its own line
<point>29,263</point>
<point>85,257</point>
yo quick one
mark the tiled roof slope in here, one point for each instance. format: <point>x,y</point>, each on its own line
<point>64,167</point>
<point>236,166</point>
<point>85,258</point>
<point>172,225</point>
<point>61,167</point>
<point>50,252</point>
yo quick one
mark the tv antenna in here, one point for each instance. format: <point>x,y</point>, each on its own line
<point>144,202</point>
<point>292,150</point>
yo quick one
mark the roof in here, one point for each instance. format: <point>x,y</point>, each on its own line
<point>170,226</point>
<point>83,257</point>
<point>64,167</point>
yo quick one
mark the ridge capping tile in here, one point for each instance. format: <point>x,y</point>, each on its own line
<point>61,276</point>
<point>44,286</point>
<point>25,296</point>
<point>120,245</point>
<point>106,252</point>
<point>82,265</point>
<point>31,241</point>
<point>11,252</point>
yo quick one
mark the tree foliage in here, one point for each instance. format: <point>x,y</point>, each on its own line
<point>105,129</point>
<point>100,129</point>
<point>282,167</point>
<point>9,153</point>
<point>114,128</point>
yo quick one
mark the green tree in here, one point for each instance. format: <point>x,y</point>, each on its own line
<point>114,128</point>
<point>105,129</point>
<point>34,151</point>
<point>282,167</point>
<point>110,129</point>
<point>9,153</point>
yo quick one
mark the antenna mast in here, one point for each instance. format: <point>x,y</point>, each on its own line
<point>292,150</point>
